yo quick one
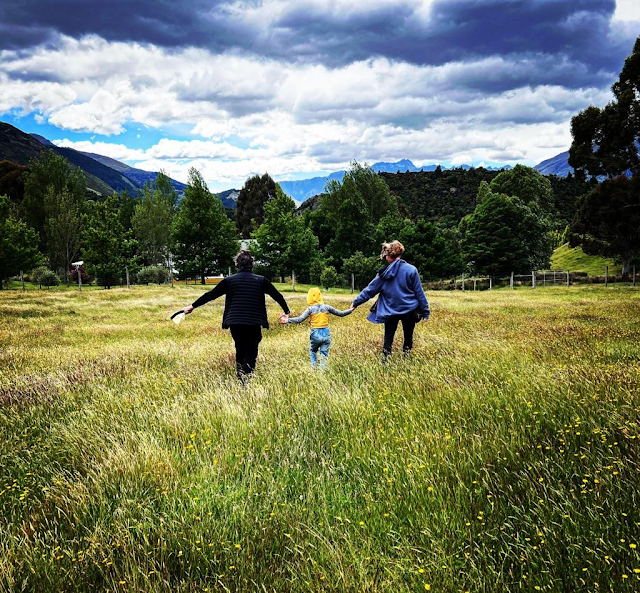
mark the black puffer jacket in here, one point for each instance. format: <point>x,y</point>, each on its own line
<point>244,303</point>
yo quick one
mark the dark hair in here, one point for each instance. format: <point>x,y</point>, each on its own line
<point>244,260</point>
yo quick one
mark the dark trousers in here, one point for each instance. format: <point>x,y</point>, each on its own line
<point>391,325</point>
<point>246,339</point>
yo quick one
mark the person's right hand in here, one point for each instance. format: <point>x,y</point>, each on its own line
<point>188,309</point>
<point>284,318</point>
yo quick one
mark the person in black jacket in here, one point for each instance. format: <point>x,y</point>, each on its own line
<point>245,311</point>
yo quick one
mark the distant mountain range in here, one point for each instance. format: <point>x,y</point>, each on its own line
<point>106,175</point>
<point>306,188</point>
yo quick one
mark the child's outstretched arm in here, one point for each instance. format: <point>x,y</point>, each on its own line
<point>337,312</point>
<point>301,318</point>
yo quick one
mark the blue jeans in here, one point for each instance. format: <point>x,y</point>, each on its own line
<point>320,341</point>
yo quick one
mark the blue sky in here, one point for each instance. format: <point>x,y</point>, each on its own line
<point>297,89</point>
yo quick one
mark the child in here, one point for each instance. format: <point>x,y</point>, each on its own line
<point>320,336</point>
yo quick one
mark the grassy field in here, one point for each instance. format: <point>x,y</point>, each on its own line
<point>502,455</point>
<point>574,259</point>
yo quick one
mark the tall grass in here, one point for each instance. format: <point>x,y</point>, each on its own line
<point>502,454</point>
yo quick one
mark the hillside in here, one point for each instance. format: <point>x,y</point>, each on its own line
<point>104,175</point>
<point>441,195</point>
<point>574,259</point>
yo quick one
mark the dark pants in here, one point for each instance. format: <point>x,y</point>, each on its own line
<point>391,325</point>
<point>246,339</point>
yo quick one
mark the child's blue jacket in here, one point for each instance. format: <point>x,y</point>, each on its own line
<point>400,292</point>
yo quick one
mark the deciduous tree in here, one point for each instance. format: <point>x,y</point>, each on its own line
<point>18,243</point>
<point>204,239</point>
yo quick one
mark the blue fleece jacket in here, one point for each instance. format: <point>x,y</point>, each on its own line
<point>400,291</point>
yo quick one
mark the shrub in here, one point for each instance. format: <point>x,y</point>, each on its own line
<point>152,274</point>
<point>49,278</point>
<point>329,277</point>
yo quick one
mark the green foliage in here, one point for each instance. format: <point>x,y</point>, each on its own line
<point>283,243</point>
<point>253,196</point>
<point>317,266</point>
<point>504,235</point>
<point>605,141</point>
<point>12,181</point>
<point>48,278</point>
<point>526,183</point>
<point>204,239</point>
<point>427,248</point>
<point>329,277</point>
<point>108,249</point>
<point>443,197</point>
<point>566,192</point>
<point>50,175</point>
<point>607,222</point>
<point>18,242</point>
<point>363,268</point>
<point>152,275</point>
<point>153,218</point>
<point>63,227</point>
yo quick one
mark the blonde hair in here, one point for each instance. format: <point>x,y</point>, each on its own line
<point>393,249</point>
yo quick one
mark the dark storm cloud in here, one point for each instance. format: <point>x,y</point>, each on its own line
<point>164,23</point>
<point>570,38</point>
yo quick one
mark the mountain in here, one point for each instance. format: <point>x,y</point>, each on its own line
<point>304,189</point>
<point>138,176</point>
<point>104,175</point>
<point>229,198</point>
<point>557,165</point>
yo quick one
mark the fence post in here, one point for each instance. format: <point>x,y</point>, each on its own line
<point>634,275</point>
<point>22,279</point>
<point>126,271</point>
<point>567,277</point>
<point>490,282</point>
<point>474,282</point>
<point>462,281</point>
<point>606,276</point>
<point>293,280</point>
<point>353,282</point>
<point>511,282</point>
<point>533,279</point>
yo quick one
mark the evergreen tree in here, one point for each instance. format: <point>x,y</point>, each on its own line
<point>18,243</point>
<point>363,268</point>
<point>607,222</point>
<point>428,250</point>
<point>606,141</point>
<point>204,239</point>
<point>283,243</point>
<point>253,196</point>
<point>503,235</point>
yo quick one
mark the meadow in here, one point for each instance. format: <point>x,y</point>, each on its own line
<point>503,454</point>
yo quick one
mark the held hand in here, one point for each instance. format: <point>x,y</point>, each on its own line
<point>188,309</point>
<point>284,318</point>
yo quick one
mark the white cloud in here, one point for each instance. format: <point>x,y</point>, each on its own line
<point>627,10</point>
<point>253,115</point>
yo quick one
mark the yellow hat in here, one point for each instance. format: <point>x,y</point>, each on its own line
<point>314,296</point>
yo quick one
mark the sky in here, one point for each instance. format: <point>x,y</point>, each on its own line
<point>302,88</point>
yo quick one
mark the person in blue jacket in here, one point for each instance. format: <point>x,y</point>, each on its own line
<point>401,298</point>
